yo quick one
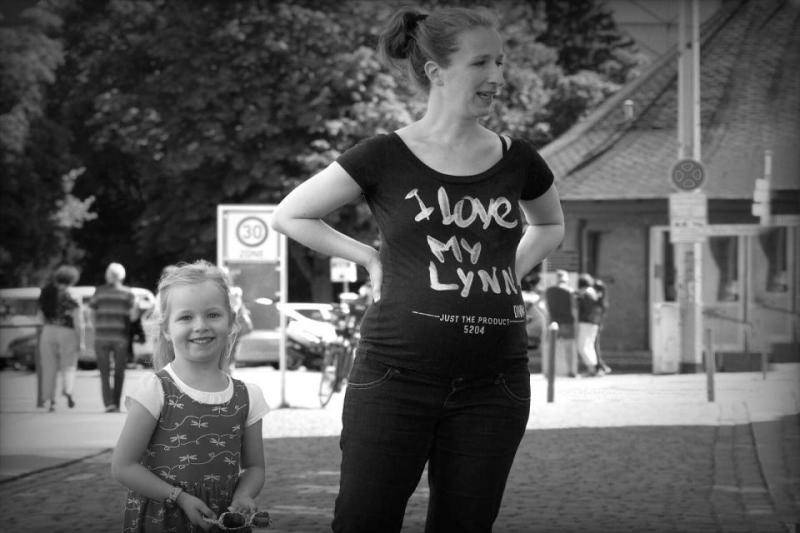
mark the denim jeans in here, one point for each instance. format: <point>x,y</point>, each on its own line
<point>105,350</point>
<point>395,421</point>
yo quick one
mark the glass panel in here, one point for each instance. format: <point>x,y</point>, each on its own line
<point>670,294</point>
<point>724,254</point>
<point>773,244</point>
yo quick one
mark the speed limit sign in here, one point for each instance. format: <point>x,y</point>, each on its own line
<point>244,235</point>
<point>252,231</point>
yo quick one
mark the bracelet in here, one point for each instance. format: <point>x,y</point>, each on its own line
<point>172,497</point>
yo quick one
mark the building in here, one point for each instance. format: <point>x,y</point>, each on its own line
<point>613,174</point>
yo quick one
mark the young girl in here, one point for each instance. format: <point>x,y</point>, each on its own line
<point>191,445</point>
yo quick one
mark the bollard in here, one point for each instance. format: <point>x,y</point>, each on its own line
<point>552,335</point>
<point>710,365</point>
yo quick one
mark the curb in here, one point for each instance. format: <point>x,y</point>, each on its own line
<point>54,466</point>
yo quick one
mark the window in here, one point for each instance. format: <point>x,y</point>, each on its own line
<point>773,243</point>
<point>725,253</point>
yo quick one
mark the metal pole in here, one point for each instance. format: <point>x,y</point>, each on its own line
<point>552,335</point>
<point>710,365</point>
<point>284,285</point>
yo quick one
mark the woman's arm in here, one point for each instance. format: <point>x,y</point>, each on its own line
<point>544,232</point>
<point>78,324</point>
<point>299,216</point>
<point>125,466</point>
<point>251,480</point>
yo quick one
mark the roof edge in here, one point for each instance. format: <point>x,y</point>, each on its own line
<point>709,29</point>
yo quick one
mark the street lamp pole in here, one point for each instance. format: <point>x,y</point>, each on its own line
<point>689,255</point>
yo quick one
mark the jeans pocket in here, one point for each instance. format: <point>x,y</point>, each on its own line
<point>517,387</point>
<point>369,375</point>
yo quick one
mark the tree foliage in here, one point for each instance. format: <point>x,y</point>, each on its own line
<point>175,106</point>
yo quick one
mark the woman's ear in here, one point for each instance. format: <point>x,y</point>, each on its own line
<point>434,73</point>
<point>166,335</point>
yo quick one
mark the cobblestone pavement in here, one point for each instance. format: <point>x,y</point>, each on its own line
<point>730,466</point>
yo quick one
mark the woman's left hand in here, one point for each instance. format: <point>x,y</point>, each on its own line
<point>243,504</point>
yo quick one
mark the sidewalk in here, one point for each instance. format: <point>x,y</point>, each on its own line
<point>618,453</point>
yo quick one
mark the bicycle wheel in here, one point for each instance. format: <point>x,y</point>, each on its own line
<point>327,383</point>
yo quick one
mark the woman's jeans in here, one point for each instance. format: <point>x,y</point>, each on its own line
<point>395,421</point>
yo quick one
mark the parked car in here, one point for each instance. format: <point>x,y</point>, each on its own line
<point>20,321</point>
<point>309,326</point>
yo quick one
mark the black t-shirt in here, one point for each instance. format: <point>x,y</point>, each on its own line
<point>450,303</point>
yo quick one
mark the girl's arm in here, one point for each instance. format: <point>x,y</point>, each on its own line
<point>544,232</point>
<point>125,466</point>
<point>299,216</point>
<point>251,480</point>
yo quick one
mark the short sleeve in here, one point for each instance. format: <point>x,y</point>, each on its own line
<point>149,393</point>
<point>539,177</point>
<point>258,405</point>
<point>363,160</point>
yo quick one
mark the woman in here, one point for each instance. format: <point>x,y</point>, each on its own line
<point>441,373</point>
<point>62,337</point>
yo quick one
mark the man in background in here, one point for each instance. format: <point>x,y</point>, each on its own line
<point>562,308</point>
<point>113,309</point>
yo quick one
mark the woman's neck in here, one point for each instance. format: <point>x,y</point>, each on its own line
<point>446,129</point>
<point>206,377</point>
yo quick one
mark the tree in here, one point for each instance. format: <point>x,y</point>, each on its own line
<point>38,208</point>
<point>173,107</point>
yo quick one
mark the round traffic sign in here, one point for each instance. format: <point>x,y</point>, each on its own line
<point>688,174</point>
<point>252,231</point>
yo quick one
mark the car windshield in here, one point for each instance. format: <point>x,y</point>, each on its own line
<point>313,314</point>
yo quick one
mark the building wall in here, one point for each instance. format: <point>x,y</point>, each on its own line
<point>620,232</point>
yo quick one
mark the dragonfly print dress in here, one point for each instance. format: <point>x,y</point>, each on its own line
<point>197,446</point>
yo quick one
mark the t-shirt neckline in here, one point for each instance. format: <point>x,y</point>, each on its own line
<point>452,178</point>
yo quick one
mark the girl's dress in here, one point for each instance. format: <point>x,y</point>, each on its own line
<point>197,446</point>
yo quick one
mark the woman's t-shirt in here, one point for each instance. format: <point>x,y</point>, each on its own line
<point>450,302</point>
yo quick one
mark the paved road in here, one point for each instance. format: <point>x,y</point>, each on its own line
<point>618,453</point>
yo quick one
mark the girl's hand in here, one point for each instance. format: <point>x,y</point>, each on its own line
<point>243,504</point>
<point>375,270</point>
<point>196,510</point>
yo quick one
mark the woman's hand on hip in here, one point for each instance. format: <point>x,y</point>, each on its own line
<point>375,270</point>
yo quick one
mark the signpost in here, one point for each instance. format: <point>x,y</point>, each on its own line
<point>688,206</point>
<point>257,257</point>
<point>688,217</point>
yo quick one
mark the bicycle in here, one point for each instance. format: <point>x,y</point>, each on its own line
<point>339,354</point>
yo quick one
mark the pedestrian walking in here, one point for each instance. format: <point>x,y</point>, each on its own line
<point>244,322</point>
<point>113,308</point>
<point>191,445</point>
<point>601,309</point>
<point>63,335</point>
<point>562,308</point>
<point>588,324</point>
<point>443,345</point>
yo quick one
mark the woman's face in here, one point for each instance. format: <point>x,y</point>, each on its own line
<point>475,75</point>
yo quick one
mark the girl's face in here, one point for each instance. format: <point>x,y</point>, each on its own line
<point>199,322</point>
<point>475,75</point>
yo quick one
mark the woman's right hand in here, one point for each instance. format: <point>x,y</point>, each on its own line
<point>375,270</point>
<point>196,509</point>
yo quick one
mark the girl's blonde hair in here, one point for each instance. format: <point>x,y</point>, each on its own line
<point>190,274</point>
